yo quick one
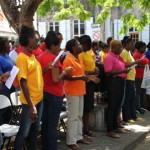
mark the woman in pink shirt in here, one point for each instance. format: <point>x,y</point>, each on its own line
<point>115,70</point>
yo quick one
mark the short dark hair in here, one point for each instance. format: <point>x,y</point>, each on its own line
<point>25,34</point>
<point>148,45</point>
<point>105,45</point>
<point>126,40</point>
<point>95,43</point>
<point>139,45</point>
<point>109,39</point>
<point>85,40</point>
<point>51,39</point>
<point>58,33</point>
<point>3,42</point>
<point>70,44</point>
<point>100,43</point>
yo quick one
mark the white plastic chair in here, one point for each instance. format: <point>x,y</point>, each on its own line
<point>15,98</point>
<point>16,106</point>
<point>7,130</point>
<point>63,115</point>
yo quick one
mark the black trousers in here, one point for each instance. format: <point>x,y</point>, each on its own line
<point>116,90</point>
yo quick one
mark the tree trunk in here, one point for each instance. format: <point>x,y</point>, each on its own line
<point>18,15</point>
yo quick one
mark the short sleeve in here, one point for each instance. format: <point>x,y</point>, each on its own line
<point>67,63</point>
<point>21,63</point>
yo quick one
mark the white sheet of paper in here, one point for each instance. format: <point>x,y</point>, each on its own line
<point>58,56</point>
<point>13,74</point>
<point>133,66</point>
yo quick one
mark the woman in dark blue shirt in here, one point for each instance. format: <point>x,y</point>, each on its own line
<point>6,65</point>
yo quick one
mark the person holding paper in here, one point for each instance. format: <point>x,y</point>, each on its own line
<point>74,94</point>
<point>3,78</point>
<point>140,92</point>
<point>6,65</point>
<point>129,106</point>
<point>31,83</point>
<point>116,70</point>
<point>53,90</point>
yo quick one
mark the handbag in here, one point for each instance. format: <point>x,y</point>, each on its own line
<point>146,77</point>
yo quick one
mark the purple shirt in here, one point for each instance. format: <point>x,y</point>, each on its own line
<point>114,62</point>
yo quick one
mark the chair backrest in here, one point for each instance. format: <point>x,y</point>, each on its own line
<point>15,98</point>
<point>4,102</point>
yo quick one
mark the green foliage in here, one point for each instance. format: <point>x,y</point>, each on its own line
<point>46,6</point>
<point>127,4</point>
<point>143,4</point>
<point>143,21</point>
<point>105,13</point>
<point>76,8</point>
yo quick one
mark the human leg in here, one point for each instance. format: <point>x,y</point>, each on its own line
<point>33,132</point>
<point>55,106</point>
<point>25,123</point>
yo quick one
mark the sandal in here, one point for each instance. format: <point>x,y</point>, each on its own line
<point>83,141</point>
<point>113,135</point>
<point>74,147</point>
<point>87,138</point>
<point>90,133</point>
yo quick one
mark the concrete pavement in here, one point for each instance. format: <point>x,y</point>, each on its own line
<point>127,141</point>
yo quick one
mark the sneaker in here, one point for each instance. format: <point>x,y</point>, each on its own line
<point>138,119</point>
<point>131,121</point>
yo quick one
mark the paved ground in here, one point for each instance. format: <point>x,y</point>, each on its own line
<point>145,145</point>
<point>129,141</point>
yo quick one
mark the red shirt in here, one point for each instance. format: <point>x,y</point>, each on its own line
<point>140,70</point>
<point>35,52</point>
<point>43,46</point>
<point>49,86</point>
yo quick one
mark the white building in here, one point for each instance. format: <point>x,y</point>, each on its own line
<point>5,29</point>
<point>73,27</point>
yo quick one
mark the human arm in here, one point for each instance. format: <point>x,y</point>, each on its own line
<point>57,76</point>
<point>32,108</point>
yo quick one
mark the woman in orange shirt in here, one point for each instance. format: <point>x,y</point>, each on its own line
<point>74,86</point>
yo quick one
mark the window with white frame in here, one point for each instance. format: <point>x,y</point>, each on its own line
<point>78,28</point>
<point>54,26</point>
<point>134,34</point>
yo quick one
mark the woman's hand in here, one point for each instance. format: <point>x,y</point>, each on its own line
<point>84,78</point>
<point>33,113</point>
<point>96,70</point>
<point>5,76</point>
<point>126,70</point>
<point>68,69</point>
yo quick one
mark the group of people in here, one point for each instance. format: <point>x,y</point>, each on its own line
<point>88,67</point>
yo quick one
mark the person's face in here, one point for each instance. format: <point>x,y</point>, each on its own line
<point>56,49</point>
<point>95,47</point>
<point>106,49</point>
<point>143,49</point>
<point>118,49</point>
<point>60,37</point>
<point>79,48</point>
<point>130,45</point>
<point>33,41</point>
<point>7,47</point>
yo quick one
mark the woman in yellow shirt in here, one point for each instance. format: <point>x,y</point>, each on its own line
<point>90,69</point>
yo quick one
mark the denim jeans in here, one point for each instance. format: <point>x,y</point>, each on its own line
<point>1,139</point>
<point>52,106</point>
<point>28,128</point>
<point>140,94</point>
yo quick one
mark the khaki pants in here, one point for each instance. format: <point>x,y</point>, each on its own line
<point>74,122</point>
